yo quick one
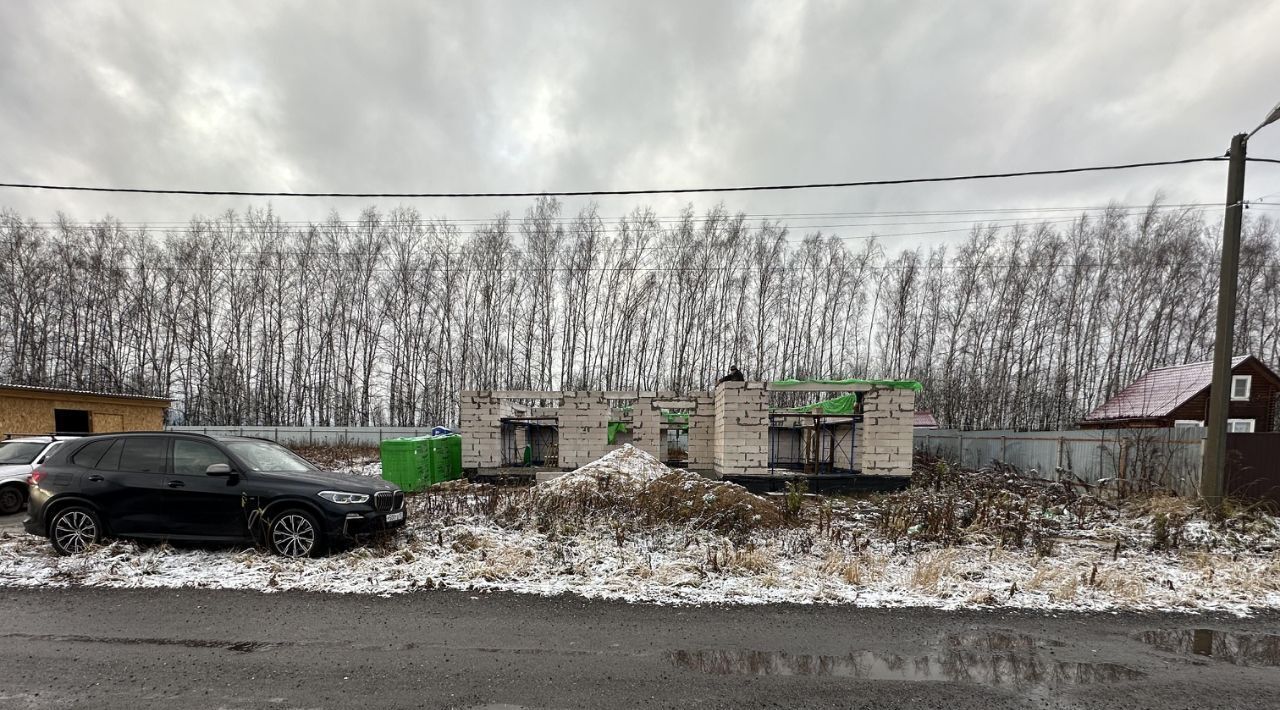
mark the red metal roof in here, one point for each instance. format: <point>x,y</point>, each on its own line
<point>1158,392</point>
<point>925,419</point>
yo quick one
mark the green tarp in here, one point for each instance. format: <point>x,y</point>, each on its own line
<point>912,385</point>
<point>844,404</point>
<point>615,428</point>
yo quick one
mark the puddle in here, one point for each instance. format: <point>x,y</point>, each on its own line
<point>995,659</point>
<point>238,646</point>
<point>1238,649</point>
<point>998,641</point>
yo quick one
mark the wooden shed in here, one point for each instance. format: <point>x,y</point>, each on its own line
<point>43,410</point>
<point>1179,396</point>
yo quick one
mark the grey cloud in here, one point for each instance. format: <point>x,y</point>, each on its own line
<point>556,95</point>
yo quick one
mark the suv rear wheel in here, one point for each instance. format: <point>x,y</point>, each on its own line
<point>72,530</point>
<point>11,499</point>
<point>294,533</point>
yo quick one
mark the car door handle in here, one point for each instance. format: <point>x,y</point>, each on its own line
<point>175,484</point>
<point>95,478</point>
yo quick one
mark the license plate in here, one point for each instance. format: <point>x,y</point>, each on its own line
<point>395,517</point>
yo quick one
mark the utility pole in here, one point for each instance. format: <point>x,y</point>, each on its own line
<point>1213,469</point>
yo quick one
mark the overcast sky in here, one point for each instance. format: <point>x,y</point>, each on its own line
<point>497,96</point>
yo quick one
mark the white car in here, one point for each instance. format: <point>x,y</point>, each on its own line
<point>18,456</point>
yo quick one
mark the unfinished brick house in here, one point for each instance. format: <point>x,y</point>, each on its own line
<point>736,430</point>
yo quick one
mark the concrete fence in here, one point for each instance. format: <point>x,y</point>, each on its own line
<point>303,436</point>
<point>1163,458</point>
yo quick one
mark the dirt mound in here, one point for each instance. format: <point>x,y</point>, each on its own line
<point>630,487</point>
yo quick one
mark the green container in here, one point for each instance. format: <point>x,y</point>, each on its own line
<point>416,462</point>
<point>404,462</point>
<point>445,461</point>
<point>454,446</point>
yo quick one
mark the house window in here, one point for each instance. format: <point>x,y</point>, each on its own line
<point>1240,386</point>
<point>1187,423</point>
<point>1239,426</point>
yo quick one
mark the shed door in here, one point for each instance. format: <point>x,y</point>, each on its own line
<point>106,423</point>
<point>71,421</point>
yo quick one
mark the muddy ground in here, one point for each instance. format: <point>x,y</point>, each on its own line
<point>235,649</point>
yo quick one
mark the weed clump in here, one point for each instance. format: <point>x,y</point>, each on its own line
<point>994,505</point>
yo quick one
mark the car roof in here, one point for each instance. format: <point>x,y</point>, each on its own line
<point>182,434</point>
<point>240,438</point>
<point>36,439</point>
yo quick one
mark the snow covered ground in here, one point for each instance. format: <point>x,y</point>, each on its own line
<point>568,541</point>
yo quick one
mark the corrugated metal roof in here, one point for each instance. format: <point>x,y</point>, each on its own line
<point>1158,392</point>
<point>926,420</point>
<point>64,390</point>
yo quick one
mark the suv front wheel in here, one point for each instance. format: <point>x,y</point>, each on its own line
<point>294,533</point>
<point>73,530</point>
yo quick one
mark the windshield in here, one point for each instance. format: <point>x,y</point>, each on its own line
<point>266,456</point>
<point>49,451</point>
<point>19,452</point>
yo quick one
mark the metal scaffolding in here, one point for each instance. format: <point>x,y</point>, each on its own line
<point>530,441</point>
<point>813,443</point>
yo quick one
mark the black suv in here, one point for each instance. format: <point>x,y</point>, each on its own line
<point>172,486</point>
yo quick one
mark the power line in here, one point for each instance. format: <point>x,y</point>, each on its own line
<point>389,220</point>
<point>993,269</point>
<point>1003,225</point>
<point>187,226</point>
<point>376,263</point>
<point>599,193</point>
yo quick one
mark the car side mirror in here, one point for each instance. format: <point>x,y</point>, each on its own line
<point>218,469</point>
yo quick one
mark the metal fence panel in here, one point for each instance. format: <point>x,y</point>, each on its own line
<point>1166,458</point>
<point>305,436</point>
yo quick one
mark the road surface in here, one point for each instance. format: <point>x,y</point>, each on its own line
<point>230,649</point>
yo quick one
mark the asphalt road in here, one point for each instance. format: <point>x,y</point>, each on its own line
<point>224,649</point>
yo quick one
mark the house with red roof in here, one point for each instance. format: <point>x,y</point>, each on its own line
<point>1179,396</point>
<point>924,419</point>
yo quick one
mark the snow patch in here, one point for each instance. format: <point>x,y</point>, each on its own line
<point>837,557</point>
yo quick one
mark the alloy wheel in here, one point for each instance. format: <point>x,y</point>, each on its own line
<point>293,535</point>
<point>75,531</point>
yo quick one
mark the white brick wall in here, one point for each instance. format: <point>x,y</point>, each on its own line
<point>728,431</point>
<point>741,439</point>
<point>883,443</point>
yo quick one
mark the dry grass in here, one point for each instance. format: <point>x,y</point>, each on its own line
<point>991,506</point>
<point>931,568</point>
<point>750,561</point>
<point>338,456</point>
<point>858,569</point>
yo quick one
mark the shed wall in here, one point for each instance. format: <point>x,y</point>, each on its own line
<point>25,414</point>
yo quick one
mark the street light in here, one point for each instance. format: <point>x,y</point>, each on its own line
<point>1213,469</point>
<point>1271,118</point>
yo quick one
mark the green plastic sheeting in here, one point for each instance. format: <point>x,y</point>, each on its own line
<point>844,404</point>
<point>675,417</point>
<point>615,428</point>
<point>912,385</point>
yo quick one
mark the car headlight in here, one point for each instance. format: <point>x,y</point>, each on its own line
<point>344,498</point>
